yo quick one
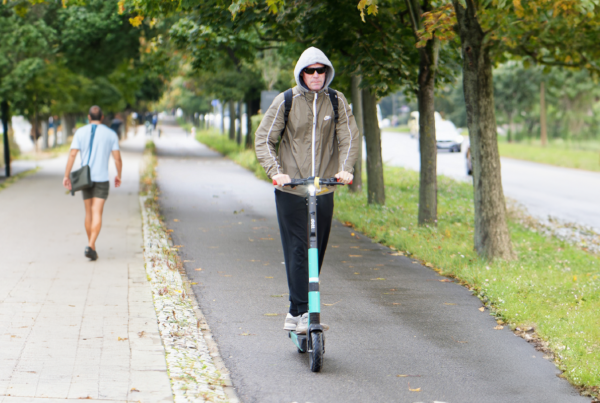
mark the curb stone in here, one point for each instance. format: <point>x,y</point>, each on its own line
<point>195,368</point>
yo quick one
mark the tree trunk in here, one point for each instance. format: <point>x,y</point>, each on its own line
<point>491,238</point>
<point>239,127</point>
<point>222,118</point>
<point>357,111</point>
<point>375,187</point>
<point>249,144</point>
<point>543,129</point>
<point>427,143</point>
<point>231,120</point>
<point>5,116</point>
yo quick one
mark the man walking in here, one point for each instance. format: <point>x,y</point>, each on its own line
<point>316,141</point>
<point>106,142</point>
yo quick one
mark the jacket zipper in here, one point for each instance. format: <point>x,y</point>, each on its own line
<point>314,132</point>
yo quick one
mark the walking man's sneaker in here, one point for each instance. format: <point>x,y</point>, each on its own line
<point>89,252</point>
<point>303,325</point>
<point>291,322</point>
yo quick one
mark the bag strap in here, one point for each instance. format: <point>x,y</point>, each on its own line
<point>92,143</point>
<point>288,97</point>
<point>334,102</point>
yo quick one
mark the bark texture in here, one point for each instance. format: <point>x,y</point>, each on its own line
<point>357,111</point>
<point>375,187</point>
<point>427,143</point>
<point>249,144</point>
<point>231,120</point>
<point>239,118</point>
<point>492,239</point>
<point>4,115</point>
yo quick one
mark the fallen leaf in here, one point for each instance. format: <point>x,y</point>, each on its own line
<point>574,278</point>
<point>134,390</point>
<point>498,327</point>
<point>178,246</point>
<point>406,376</point>
<point>271,314</point>
<point>247,334</point>
<point>122,339</point>
<point>355,247</point>
<point>397,254</point>
<point>352,234</point>
<point>72,306</point>
<point>188,261</point>
<point>141,334</point>
<point>446,280</point>
<point>198,269</point>
<point>482,309</point>
<point>268,277</point>
<point>251,240</point>
<point>169,230</point>
<point>335,246</point>
<point>378,278</point>
<point>176,220</point>
<point>449,303</point>
<point>428,264</point>
<point>333,303</point>
<point>396,303</point>
<point>277,295</point>
<point>356,273</point>
<point>413,390</point>
<point>193,283</point>
<point>355,255</point>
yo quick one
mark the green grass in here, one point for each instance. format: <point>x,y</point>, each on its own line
<point>559,154</point>
<point>552,286</point>
<point>397,129</point>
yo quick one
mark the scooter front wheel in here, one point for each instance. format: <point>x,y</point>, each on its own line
<point>317,350</point>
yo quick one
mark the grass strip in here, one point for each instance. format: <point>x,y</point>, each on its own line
<point>550,294</point>
<point>6,183</point>
<point>561,156</point>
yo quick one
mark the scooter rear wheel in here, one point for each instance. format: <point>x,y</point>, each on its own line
<point>317,349</point>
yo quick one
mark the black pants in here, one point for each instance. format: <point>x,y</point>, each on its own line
<point>292,214</point>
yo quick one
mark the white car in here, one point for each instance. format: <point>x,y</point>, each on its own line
<point>446,135</point>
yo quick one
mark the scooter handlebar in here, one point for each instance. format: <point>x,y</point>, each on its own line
<point>298,182</point>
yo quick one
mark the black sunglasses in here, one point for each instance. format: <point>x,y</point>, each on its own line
<point>310,71</point>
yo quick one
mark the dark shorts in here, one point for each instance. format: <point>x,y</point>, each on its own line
<point>98,189</point>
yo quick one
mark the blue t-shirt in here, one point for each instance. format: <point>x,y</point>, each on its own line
<point>105,141</point>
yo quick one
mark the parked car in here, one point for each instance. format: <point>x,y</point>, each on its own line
<point>446,135</point>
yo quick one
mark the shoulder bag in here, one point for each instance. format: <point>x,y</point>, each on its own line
<point>82,178</point>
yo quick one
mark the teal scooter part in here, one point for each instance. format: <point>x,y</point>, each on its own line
<point>314,341</point>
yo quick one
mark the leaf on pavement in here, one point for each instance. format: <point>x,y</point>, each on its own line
<point>178,246</point>
<point>352,234</point>
<point>397,254</point>
<point>355,255</point>
<point>176,220</point>
<point>413,390</point>
<point>169,230</point>
<point>446,280</point>
<point>335,246</point>
<point>271,314</point>
<point>396,303</point>
<point>268,277</point>
<point>188,261</point>
<point>355,247</point>
<point>122,339</point>
<point>378,278</point>
<point>198,269</point>
<point>247,334</point>
<point>499,327</point>
<point>482,309</point>
<point>194,283</point>
<point>134,390</point>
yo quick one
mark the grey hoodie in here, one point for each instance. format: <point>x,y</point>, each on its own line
<point>313,144</point>
<point>310,56</point>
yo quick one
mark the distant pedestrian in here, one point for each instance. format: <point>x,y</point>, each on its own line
<point>105,143</point>
<point>154,120</point>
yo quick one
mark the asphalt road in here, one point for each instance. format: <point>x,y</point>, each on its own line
<point>568,194</point>
<point>394,325</point>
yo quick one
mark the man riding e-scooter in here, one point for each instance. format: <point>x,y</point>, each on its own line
<point>319,138</point>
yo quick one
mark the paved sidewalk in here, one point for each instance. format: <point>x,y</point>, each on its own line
<point>71,328</point>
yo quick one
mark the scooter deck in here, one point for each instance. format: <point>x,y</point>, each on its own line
<point>300,340</point>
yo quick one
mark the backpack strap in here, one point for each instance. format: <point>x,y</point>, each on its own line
<point>334,102</point>
<point>288,96</point>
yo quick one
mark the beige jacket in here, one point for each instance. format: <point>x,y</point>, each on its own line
<point>312,144</point>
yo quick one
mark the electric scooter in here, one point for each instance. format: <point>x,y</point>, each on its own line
<point>313,341</point>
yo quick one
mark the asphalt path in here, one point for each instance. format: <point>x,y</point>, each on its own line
<point>568,194</point>
<point>398,333</point>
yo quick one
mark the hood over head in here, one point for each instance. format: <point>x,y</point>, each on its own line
<point>310,56</point>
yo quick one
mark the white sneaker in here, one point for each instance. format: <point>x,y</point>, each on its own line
<point>291,322</point>
<point>302,326</point>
